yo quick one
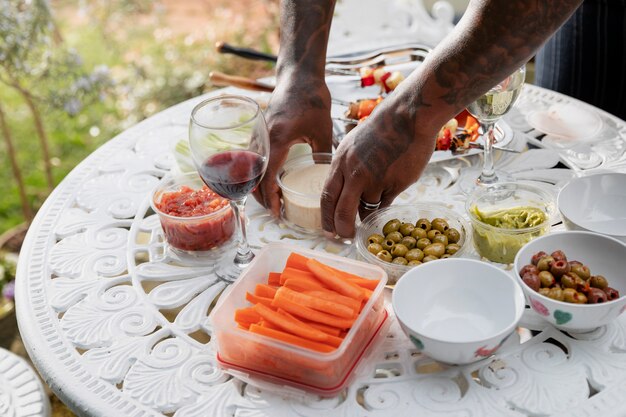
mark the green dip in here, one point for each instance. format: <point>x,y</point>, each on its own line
<point>500,234</point>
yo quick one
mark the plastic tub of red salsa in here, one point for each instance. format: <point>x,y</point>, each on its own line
<point>193,218</point>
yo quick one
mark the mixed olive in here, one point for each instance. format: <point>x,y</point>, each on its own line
<point>562,280</point>
<point>413,244</point>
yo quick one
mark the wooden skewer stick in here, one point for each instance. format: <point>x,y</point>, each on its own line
<point>224,80</point>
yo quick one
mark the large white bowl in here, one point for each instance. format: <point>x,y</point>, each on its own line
<point>596,203</point>
<point>602,254</point>
<point>458,311</point>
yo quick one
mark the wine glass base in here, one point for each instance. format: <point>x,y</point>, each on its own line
<point>228,270</point>
<point>470,180</point>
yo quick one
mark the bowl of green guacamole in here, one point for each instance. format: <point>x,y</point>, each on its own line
<point>506,216</point>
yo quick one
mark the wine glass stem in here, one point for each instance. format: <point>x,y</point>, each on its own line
<point>488,174</point>
<point>244,255</point>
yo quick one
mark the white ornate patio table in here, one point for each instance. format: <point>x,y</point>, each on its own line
<point>117,327</point>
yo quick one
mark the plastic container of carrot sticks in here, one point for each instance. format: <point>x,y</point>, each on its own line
<point>259,349</point>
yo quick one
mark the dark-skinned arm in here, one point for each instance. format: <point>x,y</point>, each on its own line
<point>299,110</point>
<point>384,155</point>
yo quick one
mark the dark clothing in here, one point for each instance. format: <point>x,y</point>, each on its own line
<point>586,58</point>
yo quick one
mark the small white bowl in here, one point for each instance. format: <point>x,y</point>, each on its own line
<point>602,254</point>
<point>459,311</point>
<point>596,203</point>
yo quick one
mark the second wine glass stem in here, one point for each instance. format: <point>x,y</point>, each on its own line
<point>488,174</point>
<point>244,255</point>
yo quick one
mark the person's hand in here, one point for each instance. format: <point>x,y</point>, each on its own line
<point>298,112</point>
<point>374,163</point>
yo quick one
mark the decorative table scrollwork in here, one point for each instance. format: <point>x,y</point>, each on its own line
<point>119,326</point>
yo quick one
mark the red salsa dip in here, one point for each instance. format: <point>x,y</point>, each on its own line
<point>197,220</point>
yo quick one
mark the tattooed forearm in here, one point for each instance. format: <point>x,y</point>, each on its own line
<point>494,38</point>
<point>305,25</point>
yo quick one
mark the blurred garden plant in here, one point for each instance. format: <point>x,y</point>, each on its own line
<point>36,64</point>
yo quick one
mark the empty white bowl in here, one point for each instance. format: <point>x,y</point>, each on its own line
<point>458,311</point>
<point>603,255</point>
<point>596,203</point>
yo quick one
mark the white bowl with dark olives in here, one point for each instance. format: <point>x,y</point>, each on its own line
<point>574,280</point>
<point>401,237</point>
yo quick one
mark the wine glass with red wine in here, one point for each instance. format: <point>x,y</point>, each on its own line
<point>230,147</point>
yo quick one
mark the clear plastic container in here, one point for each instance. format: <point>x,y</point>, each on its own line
<point>499,244</point>
<point>409,214</point>
<point>301,180</point>
<point>207,234</point>
<point>266,359</point>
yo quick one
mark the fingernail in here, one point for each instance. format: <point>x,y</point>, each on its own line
<point>329,235</point>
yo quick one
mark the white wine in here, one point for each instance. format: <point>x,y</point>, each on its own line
<point>494,104</point>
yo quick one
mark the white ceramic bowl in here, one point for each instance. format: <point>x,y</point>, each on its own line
<point>458,311</point>
<point>596,203</point>
<point>603,255</point>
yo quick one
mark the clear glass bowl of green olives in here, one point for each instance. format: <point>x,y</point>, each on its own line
<point>400,237</point>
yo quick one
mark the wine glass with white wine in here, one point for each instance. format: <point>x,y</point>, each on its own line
<point>488,109</point>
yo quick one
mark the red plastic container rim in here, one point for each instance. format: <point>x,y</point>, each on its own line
<point>319,390</point>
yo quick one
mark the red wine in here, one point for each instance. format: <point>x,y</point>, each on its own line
<point>233,174</point>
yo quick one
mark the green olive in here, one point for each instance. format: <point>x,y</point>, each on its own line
<point>445,256</point>
<point>399,250</point>
<point>409,242</point>
<point>429,258</point>
<point>570,295</point>
<point>400,261</point>
<point>419,233</point>
<point>435,249</point>
<point>414,255</point>
<point>568,281</point>
<point>432,233</point>
<point>546,278</point>
<point>392,225</point>
<point>582,271</point>
<point>544,291</point>
<point>440,224</point>
<point>387,244</point>
<point>452,248</point>
<point>395,236</point>
<point>374,248</point>
<point>441,239</point>
<point>598,281</point>
<point>384,255</point>
<point>545,263</point>
<point>375,238</point>
<point>582,298</point>
<point>422,243</point>
<point>423,224</point>
<point>556,294</point>
<point>406,229</point>
<point>453,235</point>
<point>414,263</point>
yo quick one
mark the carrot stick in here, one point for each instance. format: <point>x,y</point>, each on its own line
<point>332,340</point>
<point>319,304</point>
<point>297,261</point>
<point>333,331</point>
<point>295,327</point>
<point>370,284</point>
<point>303,284</point>
<point>331,280</point>
<point>263,290</point>
<point>310,314</point>
<point>273,279</point>
<point>255,299</point>
<point>246,316</point>
<point>334,297</point>
<point>296,273</point>
<point>289,338</point>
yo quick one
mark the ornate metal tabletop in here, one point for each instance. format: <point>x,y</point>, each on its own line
<point>117,326</point>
